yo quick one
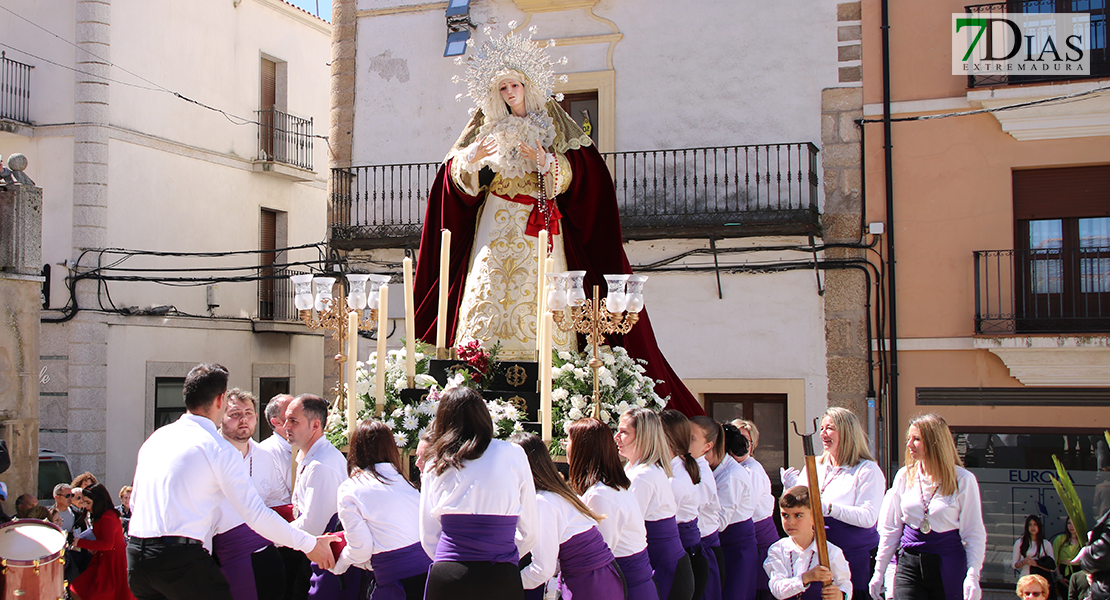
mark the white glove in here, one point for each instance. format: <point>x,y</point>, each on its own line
<point>971,588</point>
<point>789,477</point>
<point>876,585</point>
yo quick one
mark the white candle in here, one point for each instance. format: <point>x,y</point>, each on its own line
<point>383,332</point>
<point>444,285</point>
<point>352,372</point>
<point>545,377</point>
<point>410,325</point>
<point>541,281</point>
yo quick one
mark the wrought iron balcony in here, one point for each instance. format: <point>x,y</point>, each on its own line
<point>728,191</point>
<point>284,138</point>
<point>275,295</point>
<point>1045,290</point>
<point>1100,62</point>
<point>15,90</point>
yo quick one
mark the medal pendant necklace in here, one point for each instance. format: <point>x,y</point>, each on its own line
<point>925,526</point>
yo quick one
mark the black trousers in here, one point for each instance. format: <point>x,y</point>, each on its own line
<point>699,564</point>
<point>474,580</point>
<point>918,577</point>
<point>269,573</point>
<point>682,588</point>
<point>298,572</point>
<point>174,572</point>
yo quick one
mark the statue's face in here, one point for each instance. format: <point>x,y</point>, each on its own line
<point>512,92</point>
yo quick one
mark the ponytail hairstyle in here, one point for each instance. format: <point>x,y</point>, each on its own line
<point>714,434</point>
<point>677,429</point>
<point>735,442</point>
<point>544,474</point>
<point>650,443</point>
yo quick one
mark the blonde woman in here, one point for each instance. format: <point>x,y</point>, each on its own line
<point>852,487</point>
<point>1032,587</point>
<point>641,441</point>
<point>933,518</point>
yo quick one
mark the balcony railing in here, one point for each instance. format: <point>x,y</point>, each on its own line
<point>284,138</point>
<point>275,295</point>
<point>728,191</point>
<point>15,90</point>
<point>1100,62</point>
<point>1049,290</point>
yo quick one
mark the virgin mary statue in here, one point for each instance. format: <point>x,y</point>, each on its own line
<point>522,165</point>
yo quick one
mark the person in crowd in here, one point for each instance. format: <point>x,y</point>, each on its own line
<point>640,440</point>
<point>422,448</point>
<point>568,536</point>
<point>1031,549</point>
<point>23,504</point>
<point>791,566</point>
<point>1094,560</point>
<point>1032,587</point>
<point>252,565</point>
<point>84,480</point>
<point>933,518</point>
<point>763,516</point>
<point>184,471</point>
<point>851,486</point>
<point>1079,588</point>
<point>4,516</point>
<point>380,511</point>
<point>684,484</point>
<point>106,576</point>
<point>83,504</point>
<point>63,498</point>
<point>477,504</point>
<point>55,518</point>
<point>39,512</point>
<point>78,559</point>
<point>739,553</point>
<point>703,433</point>
<point>279,449</point>
<point>1065,547</point>
<point>595,474</point>
<point>124,507</point>
<point>316,490</point>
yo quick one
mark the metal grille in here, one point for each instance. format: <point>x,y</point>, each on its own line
<point>1100,65</point>
<point>284,138</point>
<point>15,90</point>
<point>275,301</point>
<point>726,191</point>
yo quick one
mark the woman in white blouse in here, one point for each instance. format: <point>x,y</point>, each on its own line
<point>740,554</point>
<point>704,433</point>
<point>597,476</point>
<point>933,518</point>
<point>1032,546</point>
<point>477,505</point>
<point>687,497</point>
<point>380,512</point>
<point>568,536</point>
<point>766,533</point>
<point>852,487</point>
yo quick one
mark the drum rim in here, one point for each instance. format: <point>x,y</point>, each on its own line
<point>12,562</point>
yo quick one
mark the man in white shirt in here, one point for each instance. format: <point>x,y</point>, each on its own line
<point>63,496</point>
<point>184,471</point>
<point>316,491</point>
<point>238,428</point>
<point>278,446</point>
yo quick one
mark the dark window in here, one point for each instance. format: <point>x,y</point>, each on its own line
<point>169,400</point>
<point>267,243</point>
<point>268,387</point>
<point>267,105</point>
<point>768,412</point>
<point>582,107</point>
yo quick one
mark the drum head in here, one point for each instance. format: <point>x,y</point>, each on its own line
<point>28,540</point>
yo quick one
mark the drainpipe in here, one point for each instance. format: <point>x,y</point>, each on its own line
<point>892,301</point>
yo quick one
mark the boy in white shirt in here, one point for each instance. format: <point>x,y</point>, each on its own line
<point>791,563</point>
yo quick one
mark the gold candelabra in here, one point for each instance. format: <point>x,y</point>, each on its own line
<point>334,319</point>
<point>595,322</point>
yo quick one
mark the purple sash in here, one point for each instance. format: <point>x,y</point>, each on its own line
<point>233,549</point>
<point>487,538</point>
<point>587,568</point>
<point>857,544</point>
<point>741,561</point>
<point>949,547</point>
<point>351,585</point>
<point>665,550</point>
<point>637,576</point>
<point>713,584</point>
<point>688,533</point>
<point>765,534</point>
<point>393,566</point>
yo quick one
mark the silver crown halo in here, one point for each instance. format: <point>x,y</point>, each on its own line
<point>510,51</point>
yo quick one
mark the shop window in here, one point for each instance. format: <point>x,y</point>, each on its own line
<point>169,400</point>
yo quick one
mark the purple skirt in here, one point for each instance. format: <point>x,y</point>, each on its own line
<point>949,547</point>
<point>713,584</point>
<point>233,548</point>
<point>391,567</point>
<point>486,538</point>
<point>766,534</point>
<point>638,582</point>
<point>665,550</point>
<point>741,561</point>
<point>857,543</point>
<point>588,568</point>
<point>351,585</point>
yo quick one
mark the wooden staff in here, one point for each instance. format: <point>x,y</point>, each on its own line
<point>815,497</point>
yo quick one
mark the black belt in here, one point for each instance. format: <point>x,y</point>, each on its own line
<point>165,540</point>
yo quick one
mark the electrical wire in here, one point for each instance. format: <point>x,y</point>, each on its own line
<point>1066,98</point>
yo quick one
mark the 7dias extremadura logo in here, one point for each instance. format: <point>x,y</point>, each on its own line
<point>1021,44</point>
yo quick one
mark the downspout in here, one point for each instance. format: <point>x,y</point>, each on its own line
<point>892,300</point>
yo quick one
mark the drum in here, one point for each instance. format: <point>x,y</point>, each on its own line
<point>31,560</point>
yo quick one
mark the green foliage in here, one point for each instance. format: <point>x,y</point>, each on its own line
<point>1070,498</point>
